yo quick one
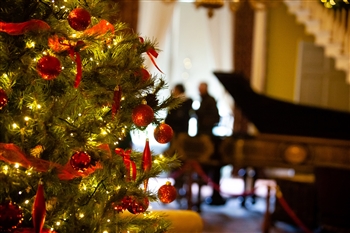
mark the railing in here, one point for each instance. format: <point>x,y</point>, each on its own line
<point>331,29</point>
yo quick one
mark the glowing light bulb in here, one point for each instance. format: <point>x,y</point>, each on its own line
<point>38,106</point>
<point>81,215</point>
<point>58,223</point>
<point>26,118</point>
<point>26,202</point>
<point>16,165</point>
<point>6,169</point>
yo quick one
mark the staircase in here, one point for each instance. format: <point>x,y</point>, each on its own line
<point>331,29</point>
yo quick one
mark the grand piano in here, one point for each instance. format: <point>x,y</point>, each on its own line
<point>313,142</point>
<point>289,135</point>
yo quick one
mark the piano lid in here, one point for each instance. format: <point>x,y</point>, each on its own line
<point>274,116</point>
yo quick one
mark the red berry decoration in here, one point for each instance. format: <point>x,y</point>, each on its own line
<point>138,206</point>
<point>80,161</point>
<point>79,19</point>
<point>11,216</point>
<point>167,193</point>
<point>163,133</point>
<point>3,98</point>
<point>142,115</point>
<point>49,67</point>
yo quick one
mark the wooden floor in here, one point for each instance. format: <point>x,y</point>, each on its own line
<point>232,217</point>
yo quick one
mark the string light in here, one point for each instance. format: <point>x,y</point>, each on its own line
<point>5,169</point>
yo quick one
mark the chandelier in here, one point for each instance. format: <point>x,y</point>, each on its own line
<point>234,4</point>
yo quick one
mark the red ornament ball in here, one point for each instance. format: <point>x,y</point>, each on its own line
<point>3,99</point>
<point>80,161</point>
<point>11,216</point>
<point>138,206</point>
<point>125,203</point>
<point>143,73</point>
<point>142,115</point>
<point>163,133</point>
<point>49,67</point>
<point>79,19</point>
<point>167,193</point>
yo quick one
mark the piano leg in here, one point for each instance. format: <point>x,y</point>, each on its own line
<point>249,177</point>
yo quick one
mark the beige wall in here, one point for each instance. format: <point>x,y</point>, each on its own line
<point>283,36</point>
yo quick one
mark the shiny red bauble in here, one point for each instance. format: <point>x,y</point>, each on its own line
<point>11,216</point>
<point>80,161</point>
<point>79,19</point>
<point>3,98</point>
<point>163,133</point>
<point>142,115</point>
<point>49,67</point>
<point>167,193</point>
<point>138,206</point>
<point>143,73</point>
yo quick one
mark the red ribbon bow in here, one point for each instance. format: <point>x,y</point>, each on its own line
<point>75,56</point>
<point>128,163</point>
<point>151,52</point>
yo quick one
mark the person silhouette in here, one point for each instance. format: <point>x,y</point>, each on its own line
<point>207,118</point>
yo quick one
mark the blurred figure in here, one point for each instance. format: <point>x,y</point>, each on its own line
<point>179,117</point>
<point>208,113</point>
<point>208,117</point>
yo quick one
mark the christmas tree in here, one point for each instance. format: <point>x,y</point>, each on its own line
<point>72,86</point>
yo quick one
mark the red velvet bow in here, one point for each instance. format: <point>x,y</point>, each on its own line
<point>151,52</point>
<point>15,29</point>
<point>128,163</point>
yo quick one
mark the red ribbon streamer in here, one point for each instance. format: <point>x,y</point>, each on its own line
<point>16,29</point>
<point>12,154</point>
<point>101,28</point>
<point>39,209</point>
<point>116,100</point>
<point>151,52</point>
<point>127,162</point>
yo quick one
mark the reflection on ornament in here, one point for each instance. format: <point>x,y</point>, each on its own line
<point>79,19</point>
<point>80,161</point>
<point>167,193</point>
<point>163,133</point>
<point>138,206</point>
<point>11,216</point>
<point>49,67</point>
<point>3,98</point>
<point>142,115</point>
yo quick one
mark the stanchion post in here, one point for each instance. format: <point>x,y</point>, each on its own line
<point>267,217</point>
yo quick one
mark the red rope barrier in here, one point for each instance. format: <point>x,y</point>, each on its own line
<point>196,167</point>
<point>290,212</point>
